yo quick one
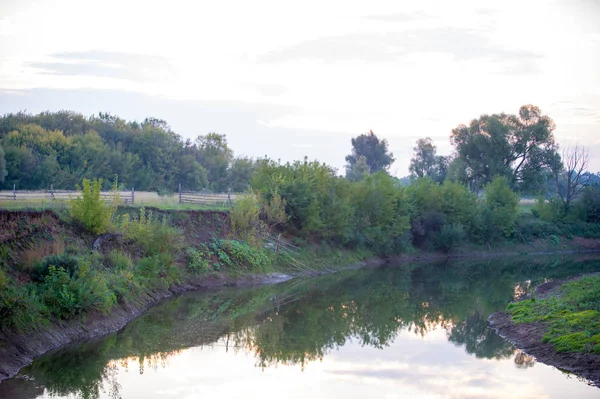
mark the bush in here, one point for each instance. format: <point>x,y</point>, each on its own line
<point>158,269</point>
<point>245,223</point>
<point>426,226</point>
<point>20,307</point>
<point>67,262</point>
<point>118,260</point>
<point>153,236</point>
<point>68,295</point>
<point>197,260</point>
<point>552,210</point>
<point>243,255</point>
<point>590,204</point>
<point>449,237</point>
<point>501,208</point>
<point>90,210</point>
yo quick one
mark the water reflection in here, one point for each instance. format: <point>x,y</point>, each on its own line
<point>303,321</point>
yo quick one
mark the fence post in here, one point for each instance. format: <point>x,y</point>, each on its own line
<point>179,193</point>
<point>14,192</point>
<point>132,196</point>
<point>51,192</point>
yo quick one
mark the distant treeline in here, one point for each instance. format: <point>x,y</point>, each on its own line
<point>62,148</point>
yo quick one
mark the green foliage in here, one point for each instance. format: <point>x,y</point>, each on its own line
<point>20,306</point>
<point>245,256</point>
<point>3,171</point>
<point>517,147</point>
<point>66,295</point>
<point>198,261</point>
<point>68,262</point>
<point>119,260</point>
<point>552,210</point>
<point>245,223</point>
<point>89,210</point>
<point>425,162</point>
<point>215,156</point>
<point>158,270</point>
<point>153,236</point>
<point>357,171</point>
<point>573,315</point>
<point>501,207</point>
<point>374,150</point>
<point>449,237</point>
<point>589,205</point>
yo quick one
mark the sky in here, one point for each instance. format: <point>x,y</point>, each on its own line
<point>295,79</point>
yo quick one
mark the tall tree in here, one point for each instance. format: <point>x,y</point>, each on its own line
<point>215,156</point>
<point>359,170</point>
<point>426,163</point>
<point>375,151</point>
<point>3,171</point>
<point>570,174</point>
<point>240,174</point>
<point>518,147</point>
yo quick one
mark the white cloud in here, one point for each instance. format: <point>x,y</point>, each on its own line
<point>400,68</point>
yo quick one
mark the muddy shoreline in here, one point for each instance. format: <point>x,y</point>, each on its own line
<point>19,350</point>
<point>529,338</point>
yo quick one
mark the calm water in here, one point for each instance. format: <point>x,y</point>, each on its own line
<point>392,332</point>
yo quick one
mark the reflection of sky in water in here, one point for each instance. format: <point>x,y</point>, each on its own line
<point>412,366</point>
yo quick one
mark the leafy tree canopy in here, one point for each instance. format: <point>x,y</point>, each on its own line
<point>518,147</point>
<point>376,152</point>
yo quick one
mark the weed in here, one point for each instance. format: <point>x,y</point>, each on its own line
<point>197,260</point>
<point>573,316</point>
<point>90,210</point>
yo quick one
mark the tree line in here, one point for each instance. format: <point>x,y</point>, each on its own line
<point>518,150</point>
<point>64,147</point>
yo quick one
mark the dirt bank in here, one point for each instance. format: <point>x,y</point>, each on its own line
<point>529,338</point>
<point>19,350</point>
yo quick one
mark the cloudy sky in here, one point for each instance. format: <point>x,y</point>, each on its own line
<point>288,79</point>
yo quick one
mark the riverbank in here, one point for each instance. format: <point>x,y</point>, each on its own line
<point>559,324</point>
<point>19,350</point>
<point>27,238</point>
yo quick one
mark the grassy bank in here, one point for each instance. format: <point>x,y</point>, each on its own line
<point>571,312</point>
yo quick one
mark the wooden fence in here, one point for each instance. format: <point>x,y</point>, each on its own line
<point>125,197</point>
<point>194,197</point>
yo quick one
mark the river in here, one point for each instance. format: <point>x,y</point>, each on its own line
<point>406,331</point>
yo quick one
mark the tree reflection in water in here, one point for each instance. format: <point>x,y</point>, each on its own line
<point>301,321</point>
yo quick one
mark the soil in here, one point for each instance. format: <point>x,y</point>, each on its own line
<point>529,338</point>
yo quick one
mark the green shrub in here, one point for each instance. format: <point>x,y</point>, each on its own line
<point>119,260</point>
<point>20,307</point>
<point>552,210</point>
<point>244,255</point>
<point>90,210</point>
<point>154,237</point>
<point>65,261</point>
<point>197,260</point>
<point>158,270</point>
<point>67,295</point>
<point>501,208</point>
<point>590,204</point>
<point>245,223</point>
<point>449,237</point>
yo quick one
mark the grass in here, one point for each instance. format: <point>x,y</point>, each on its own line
<point>573,315</point>
<point>142,198</point>
<point>525,205</point>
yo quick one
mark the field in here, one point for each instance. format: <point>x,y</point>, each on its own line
<point>142,198</point>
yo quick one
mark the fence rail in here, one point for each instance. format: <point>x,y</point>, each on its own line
<point>125,197</point>
<point>59,197</point>
<point>194,197</point>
